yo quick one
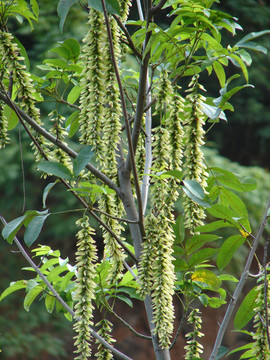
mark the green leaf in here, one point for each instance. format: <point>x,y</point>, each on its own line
<point>53,275</point>
<point>74,48</point>
<point>46,192</point>
<point>226,97</point>
<point>200,256</point>
<point>227,277</point>
<point>235,202</point>
<point>174,173</point>
<point>221,352</point>
<point>82,160</point>
<point>56,63</point>
<point>12,228</point>
<point>72,123</point>
<point>12,118</point>
<point>215,302</point>
<point>34,7</point>
<point>206,278</point>
<point>74,94</point>
<point>228,249</point>
<point>112,6</point>
<point>33,229</point>
<point>50,302</point>
<point>215,225</point>
<point>246,310</point>
<point>66,280</point>
<point>31,296</point>
<point>241,348</point>
<point>222,212</point>
<point>253,46</point>
<point>48,263</point>
<point>125,299</point>
<point>219,70</point>
<point>237,61</point>
<point>252,36</point>
<point>197,241</point>
<point>195,192</point>
<point>21,284</point>
<point>204,299</point>
<point>23,53</point>
<point>56,169</point>
<point>179,229</point>
<point>233,182</point>
<point>63,8</point>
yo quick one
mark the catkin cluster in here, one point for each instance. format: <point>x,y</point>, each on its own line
<point>261,348</point>
<point>14,69</point>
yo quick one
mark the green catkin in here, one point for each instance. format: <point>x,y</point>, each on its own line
<point>140,156</point>
<point>92,82</point>
<point>4,138</point>
<point>112,249</point>
<point>13,64</point>
<point>260,348</point>
<point>86,257</point>
<point>195,166</point>
<point>112,110</point>
<point>176,131</point>
<point>60,133</point>
<point>193,348</point>
<point>105,329</point>
<point>124,9</point>
<point>156,269</point>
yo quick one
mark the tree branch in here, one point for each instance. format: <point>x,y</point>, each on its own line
<point>240,286</point>
<point>58,143</point>
<point>116,352</point>
<point>158,7</point>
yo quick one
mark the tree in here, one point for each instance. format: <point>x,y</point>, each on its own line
<point>128,170</point>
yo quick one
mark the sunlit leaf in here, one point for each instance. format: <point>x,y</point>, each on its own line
<point>228,249</point>
<point>21,284</point>
<point>63,8</point>
<point>82,160</point>
<point>245,311</point>
<point>56,169</point>
<point>34,228</point>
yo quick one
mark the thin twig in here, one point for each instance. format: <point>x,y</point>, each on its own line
<point>239,287</point>
<point>119,354</point>
<point>180,326</point>
<point>135,332</point>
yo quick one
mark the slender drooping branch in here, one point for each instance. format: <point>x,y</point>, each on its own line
<point>240,286</point>
<point>116,352</point>
<point>58,143</point>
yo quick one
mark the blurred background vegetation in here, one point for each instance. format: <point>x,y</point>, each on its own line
<point>242,145</point>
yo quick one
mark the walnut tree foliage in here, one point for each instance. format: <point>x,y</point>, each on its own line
<point>131,145</point>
